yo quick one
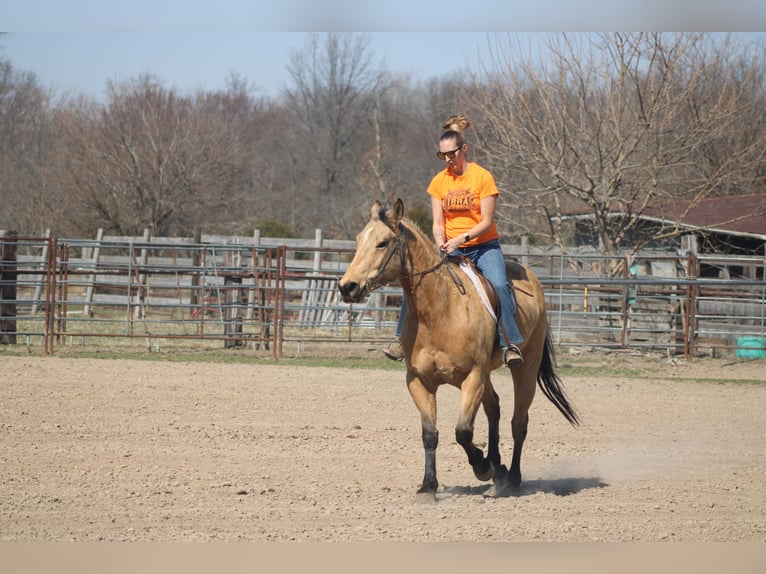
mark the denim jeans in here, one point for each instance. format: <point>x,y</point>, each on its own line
<point>488,257</point>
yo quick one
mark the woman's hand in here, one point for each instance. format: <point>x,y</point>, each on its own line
<point>451,245</point>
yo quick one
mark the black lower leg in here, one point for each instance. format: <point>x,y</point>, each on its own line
<point>481,466</point>
<point>519,425</point>
<point>514,475</point>
<point>430,442</point>
<point>493,451</point>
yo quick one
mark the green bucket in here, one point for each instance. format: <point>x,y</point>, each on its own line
<point>751,347</point>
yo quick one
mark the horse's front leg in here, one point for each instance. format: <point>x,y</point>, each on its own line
<point>425,401</point>
<point>472,394</point>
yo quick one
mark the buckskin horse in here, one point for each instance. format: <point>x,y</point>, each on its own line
<point>450,337</point>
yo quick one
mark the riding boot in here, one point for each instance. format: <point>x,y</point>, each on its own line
<point>512,356</point>
<point>394,351</point>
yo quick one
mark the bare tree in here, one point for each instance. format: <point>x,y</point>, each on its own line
<point>258,125</point>
<point>406,124</point>
<point>148,158</point>
<point>611,124</point>
<point>334,92</point>
<point>25,110</point>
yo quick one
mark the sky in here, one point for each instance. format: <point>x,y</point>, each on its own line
<point>84,62</point>
<point>78,46</point>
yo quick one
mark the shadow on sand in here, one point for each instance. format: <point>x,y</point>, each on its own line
<point>557,486</point>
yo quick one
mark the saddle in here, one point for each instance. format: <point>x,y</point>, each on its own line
<point>485,289</point>
<point>482,284</point>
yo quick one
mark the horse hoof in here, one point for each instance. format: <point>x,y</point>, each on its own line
<point>496,491</point>
<point>487,474</point>
<point>425,497</point>
<point>501,489</point>
<point>501,473</point>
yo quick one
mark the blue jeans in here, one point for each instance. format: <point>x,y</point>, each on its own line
<point>488,257</point>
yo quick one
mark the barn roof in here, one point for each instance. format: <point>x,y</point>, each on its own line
<point>743,215</point>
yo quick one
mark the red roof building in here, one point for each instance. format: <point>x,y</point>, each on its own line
<point>743,215</point>
<point>732,224</point>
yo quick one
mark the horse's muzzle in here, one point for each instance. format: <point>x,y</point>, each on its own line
<point>350,291</point>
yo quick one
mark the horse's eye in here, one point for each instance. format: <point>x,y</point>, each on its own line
<point>382,245</point>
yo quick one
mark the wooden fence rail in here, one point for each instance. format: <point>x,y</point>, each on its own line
<point>260,293</point>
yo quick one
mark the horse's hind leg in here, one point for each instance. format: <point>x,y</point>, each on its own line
<point>524,392</point>
<point>425,401</point>
<point>491,403</point>
<point>474,392</point>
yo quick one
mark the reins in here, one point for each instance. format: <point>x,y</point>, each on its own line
<point>400,246</point>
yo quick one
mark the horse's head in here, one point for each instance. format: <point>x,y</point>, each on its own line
<point>379,253</point>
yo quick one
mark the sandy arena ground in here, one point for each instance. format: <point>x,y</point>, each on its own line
<point>129,450</point>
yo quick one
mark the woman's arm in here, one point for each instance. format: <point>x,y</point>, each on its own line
<point>488,205</point>
<point>437,215</point>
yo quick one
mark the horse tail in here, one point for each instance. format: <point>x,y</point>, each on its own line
<point>550,384</point>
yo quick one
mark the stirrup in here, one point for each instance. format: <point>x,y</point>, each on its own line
<point>394,351</point>
<point>512,356</point>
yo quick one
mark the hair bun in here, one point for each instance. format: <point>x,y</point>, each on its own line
<point>456,123</point>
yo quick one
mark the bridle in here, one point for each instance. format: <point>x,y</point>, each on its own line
<point>399,245</point>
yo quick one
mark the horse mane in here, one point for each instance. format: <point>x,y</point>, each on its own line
<point>411,228</point>
<point>407,225</point>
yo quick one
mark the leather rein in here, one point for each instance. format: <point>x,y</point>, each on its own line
<point>400,246</point>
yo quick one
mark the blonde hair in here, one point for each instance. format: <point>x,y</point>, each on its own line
<point>454,127</point>
<point>456,123</point>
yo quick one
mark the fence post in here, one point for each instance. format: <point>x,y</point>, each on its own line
<point>525,250</point>
<point>318,238</point>
<point>279,303</point>
<point>8,275</point>
<point>89,292</point>
<point>232,318</point>
<point>41,283</point>
<point>625,332</point>
<point>50,294</point>
<point>689,244</point>
<point>763,292</point>
<point>194,298</point>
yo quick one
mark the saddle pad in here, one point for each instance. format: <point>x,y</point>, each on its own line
<point>469,270</point>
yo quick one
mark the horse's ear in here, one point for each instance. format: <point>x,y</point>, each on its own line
<point>398,210</point>
<point>375,211</point>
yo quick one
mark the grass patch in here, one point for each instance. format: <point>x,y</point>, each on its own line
<point>358,359</point>
<point>650,373</point>
<point>600,372</point>
<point>216,356</point>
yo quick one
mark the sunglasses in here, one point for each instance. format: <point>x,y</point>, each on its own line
<point>442,155</point>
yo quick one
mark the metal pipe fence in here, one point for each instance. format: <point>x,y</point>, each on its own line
<point>142,293</point>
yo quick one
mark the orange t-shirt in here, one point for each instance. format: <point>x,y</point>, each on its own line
<point>461,197</point>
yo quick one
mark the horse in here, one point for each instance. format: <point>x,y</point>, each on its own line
<point>450,337</point>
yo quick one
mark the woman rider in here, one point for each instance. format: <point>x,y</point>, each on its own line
<point>463,201</point>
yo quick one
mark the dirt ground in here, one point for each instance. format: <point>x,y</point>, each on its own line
<point>131,450</point>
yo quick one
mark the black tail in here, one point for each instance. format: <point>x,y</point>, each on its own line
<point>550,384</point>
